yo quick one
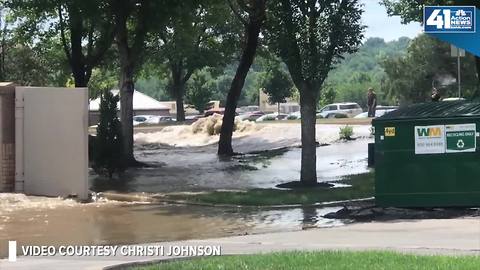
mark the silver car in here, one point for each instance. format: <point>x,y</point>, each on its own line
<point>348,109</point>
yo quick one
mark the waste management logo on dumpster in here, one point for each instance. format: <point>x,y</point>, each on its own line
<point>441,139</point>
<point>430,139</point>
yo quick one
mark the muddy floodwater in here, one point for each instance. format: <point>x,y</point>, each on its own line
<point>61,223</point>
<point>181,161</point>
<point>189,164</point>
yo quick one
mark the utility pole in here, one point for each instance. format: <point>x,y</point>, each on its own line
<point>458,74</point>
<point>457,52</point>
<point>2,40</point>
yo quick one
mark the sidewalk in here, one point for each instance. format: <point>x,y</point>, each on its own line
<point>452,236</point>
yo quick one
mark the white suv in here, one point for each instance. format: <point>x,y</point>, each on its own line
<point>349,109</point>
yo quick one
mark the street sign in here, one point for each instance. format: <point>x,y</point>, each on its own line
<point>456,52</point>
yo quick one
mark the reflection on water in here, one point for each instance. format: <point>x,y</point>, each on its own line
<point>115,223</point>
<point>199,168</point>
<point>53,221</point>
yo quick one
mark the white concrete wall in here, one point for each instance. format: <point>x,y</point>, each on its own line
<point>55,140</point>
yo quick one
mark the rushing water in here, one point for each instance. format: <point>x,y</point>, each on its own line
<point>198,168</point>
<point>127,223</point>
<point>185,161</point>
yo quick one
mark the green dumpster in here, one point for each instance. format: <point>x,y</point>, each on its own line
<point>426,155</point>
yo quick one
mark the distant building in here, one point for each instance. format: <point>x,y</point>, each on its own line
<point>287,107</point>
<point>142,105</point>
<point>190,109</point>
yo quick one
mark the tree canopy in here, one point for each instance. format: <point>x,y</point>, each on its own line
<point>311,37</point>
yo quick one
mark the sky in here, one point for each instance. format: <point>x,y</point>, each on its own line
<point>380,25</point>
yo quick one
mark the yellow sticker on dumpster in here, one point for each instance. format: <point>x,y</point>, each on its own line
<point>389,131</point>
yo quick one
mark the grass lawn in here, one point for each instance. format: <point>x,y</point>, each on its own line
<point>325,260</point>
<point>362,186</point>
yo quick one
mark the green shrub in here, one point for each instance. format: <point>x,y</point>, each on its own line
<point>269,118</point>
<point>108,150</point>
<point>339,115</point>
<point>346,132</point>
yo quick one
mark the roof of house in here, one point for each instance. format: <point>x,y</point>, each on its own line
<point>439,109</point>
<point>140,102</point>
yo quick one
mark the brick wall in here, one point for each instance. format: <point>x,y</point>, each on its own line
<point>7,167</point>
<point>7,137</point>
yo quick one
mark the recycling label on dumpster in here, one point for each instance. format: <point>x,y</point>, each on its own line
<point>460,138</point>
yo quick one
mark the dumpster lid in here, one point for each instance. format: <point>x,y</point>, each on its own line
<point>442,109</point>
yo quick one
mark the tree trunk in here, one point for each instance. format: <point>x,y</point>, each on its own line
<point>248,55</point>
<point>126,93</point>
<point>126,110</point>
<point>77,62</point>
<point>180,108</point>
<point>79,74</point>
<point>179,92</point>
<point>308,102</point>
<point>476,94</point>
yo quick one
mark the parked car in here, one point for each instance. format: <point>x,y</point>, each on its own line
<point>248,109</point>
<point>158,120</point>
<point>379,111</point>
<point>271,117</point>
<point>140,119</point>
<point>349,109</point>
<point>193,117</point>
<point>214,111</point>
<point>251,116</point>
<point>294,116</point>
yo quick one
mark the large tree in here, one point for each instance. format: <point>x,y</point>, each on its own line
<point>310,37</point>
<point>252,14</point>
<point>427,63</point>
<point>412,11</point>
<point>131,21</point>
<point>277,84</point>
<point>84,29</point>
<point>196,35</point>
<point>200,90</point>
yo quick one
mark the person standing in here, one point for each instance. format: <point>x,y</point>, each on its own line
<point>435,95</point>
<point>371,102</point>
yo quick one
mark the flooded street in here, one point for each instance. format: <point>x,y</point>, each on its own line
<point>189,164</point>
<point>60,222</point>
<point>196,167</point>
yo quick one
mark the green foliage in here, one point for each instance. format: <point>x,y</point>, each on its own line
<point>359,71</point>
<point>346,132</point>
<point>38,64</point>
<point>197,34</point>
<point>327,95</point>
<point>200,90</point>
<point>82,29</point>
<point>311,37</point>
<point>108,149</point>
<point>277,84</point>
<point>427,64</point>
<point>412,10</point>
<point>100,81</point>
<point>360,186</point>
<point>153,86</point>
<point>325,260</point>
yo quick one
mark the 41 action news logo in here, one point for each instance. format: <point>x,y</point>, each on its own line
<point>449,19</point>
